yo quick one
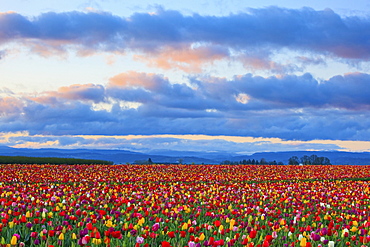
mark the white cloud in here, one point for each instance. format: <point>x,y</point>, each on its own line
<point>242,98</point>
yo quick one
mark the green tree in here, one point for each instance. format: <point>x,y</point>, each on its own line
<point>293,160</point>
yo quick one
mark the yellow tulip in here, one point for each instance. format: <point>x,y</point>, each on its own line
<point>184,226</point>
<point>202,237</point>
<point>11,224</point>
<point>96,241</point>
<point>109,223</point>
<point>303,242</point>
<point>354,229</point>
<point>14,240</point>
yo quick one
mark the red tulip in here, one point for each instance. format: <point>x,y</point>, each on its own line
<point>253,233</point>
<point>166,244</point>
<point>171,234</point>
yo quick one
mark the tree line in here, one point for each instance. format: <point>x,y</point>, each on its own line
<point>262,161</point>
<point>294,160</point>
<point>309,160</point>
<point>50,160</point>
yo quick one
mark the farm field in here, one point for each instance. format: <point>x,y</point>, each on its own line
<point>184,205</point>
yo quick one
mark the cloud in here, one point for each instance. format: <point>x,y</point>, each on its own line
<point>150,88</point>
<point>10,106</point>
<point>86,92</point>
<point>188,59</point>
<point>159,143</point>
<point>187,41</point>
<point>348,92</point>
<point>288,107</point>
<point>3,53</point>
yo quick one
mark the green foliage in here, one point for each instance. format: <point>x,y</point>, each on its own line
<point>50,160</point>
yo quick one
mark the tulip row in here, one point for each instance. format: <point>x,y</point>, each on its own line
<point>183,206</point>
<point>183,173</point>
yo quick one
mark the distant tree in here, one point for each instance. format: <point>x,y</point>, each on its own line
<point>293,160</point>
<point>263,161</point>
<point>50,160</point>
<point>314,160</point>
<point>311,160</point>
<point>273,163</point>
<point>305,160</point>
<point>180,160</point>
<point>150,161</point>
<point>326,161</point>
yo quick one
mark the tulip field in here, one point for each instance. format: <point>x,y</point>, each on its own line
<point>184,205</point>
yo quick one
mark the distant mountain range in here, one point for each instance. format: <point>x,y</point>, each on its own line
<point>169,156</point>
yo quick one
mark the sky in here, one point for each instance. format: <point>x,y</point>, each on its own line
<point>212,76</point>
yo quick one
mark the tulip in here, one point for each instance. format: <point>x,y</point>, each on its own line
<point>303,242</point>
<point>253,234</point>
<point>315,237</point>
<point>184,226</point>
<point>85,240</point>
<point>14,240</point>
<point>171,234</point>
<point>96,241</point>
<point>265,243</point>
<point>191,244</point>
<point>155,227</point>
<point>139,240</point>
<point>165,244</point>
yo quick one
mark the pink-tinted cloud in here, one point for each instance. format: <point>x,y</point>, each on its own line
<point>185,58</point>
<point>10,106</point>
<point>134,79</point>
<point>83,92</point>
